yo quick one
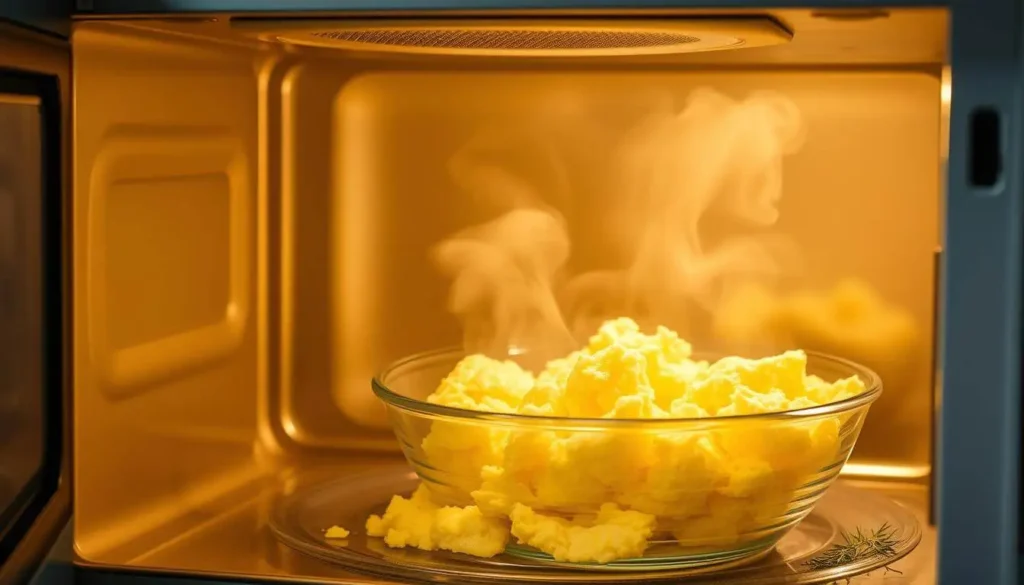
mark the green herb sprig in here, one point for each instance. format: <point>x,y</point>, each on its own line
<point>856,546</point>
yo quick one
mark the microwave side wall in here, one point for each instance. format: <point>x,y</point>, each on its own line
<point>252,227</point>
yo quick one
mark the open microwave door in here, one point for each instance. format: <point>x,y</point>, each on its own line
<point>35,491</point>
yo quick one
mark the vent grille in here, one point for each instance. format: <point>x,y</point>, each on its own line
<point>509,40</point>
<point>524,38</point>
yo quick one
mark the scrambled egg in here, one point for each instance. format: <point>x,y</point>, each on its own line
<point>612,534</point>
<point>421,523</point>
<point>602,495</point>
<point>336,532</point>
<point>476,383</point>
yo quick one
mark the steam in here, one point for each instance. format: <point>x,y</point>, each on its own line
<point>503,276</point>
<point>715,157</point>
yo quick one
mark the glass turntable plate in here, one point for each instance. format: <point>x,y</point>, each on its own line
<point>299,520</point>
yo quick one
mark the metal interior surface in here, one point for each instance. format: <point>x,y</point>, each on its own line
<point>312,184</point>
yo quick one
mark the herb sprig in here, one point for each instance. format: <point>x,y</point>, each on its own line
<point>856,546</point>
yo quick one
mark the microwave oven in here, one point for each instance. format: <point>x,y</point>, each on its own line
<point>216,219</point>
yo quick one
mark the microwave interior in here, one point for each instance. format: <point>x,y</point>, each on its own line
<point>259,200</point>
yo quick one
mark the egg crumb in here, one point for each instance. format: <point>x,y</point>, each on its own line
<point>335,532</point>
<point>597,495</point>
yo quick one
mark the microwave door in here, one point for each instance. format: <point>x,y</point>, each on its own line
<point>35,491</point>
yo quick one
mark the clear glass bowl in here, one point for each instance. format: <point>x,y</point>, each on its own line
<point>721,489</point>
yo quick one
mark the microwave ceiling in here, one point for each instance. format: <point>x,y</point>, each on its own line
<point>539,38</point>
<point>898,37</point>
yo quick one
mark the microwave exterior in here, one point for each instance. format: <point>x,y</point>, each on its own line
<point>979,446</point>
<point>50,16</point>
<point>242,6</point>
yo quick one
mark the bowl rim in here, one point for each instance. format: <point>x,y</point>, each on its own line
<point>872,382</point>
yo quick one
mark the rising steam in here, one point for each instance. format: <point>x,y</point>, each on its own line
<point>503,281</point>
<point>674,168</point>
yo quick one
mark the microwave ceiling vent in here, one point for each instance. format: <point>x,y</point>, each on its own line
<point>566,38</point>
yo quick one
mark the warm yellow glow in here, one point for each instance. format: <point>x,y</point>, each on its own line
<point>947,86</point>
<point>946,95</point>
<point>356,218</point>
<point>882,471</point>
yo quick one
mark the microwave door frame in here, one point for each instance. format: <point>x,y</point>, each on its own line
<point>979,484</point>
<point>35,72</point>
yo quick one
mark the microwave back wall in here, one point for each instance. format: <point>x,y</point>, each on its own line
<point>247,196</point>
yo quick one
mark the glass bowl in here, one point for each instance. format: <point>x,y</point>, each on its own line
<point>721,489</point>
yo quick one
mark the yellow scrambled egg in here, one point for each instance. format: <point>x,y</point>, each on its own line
<point>419,522</point>
<point>336,532</point>
<point>601,495</point>
<point>612,534</point>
